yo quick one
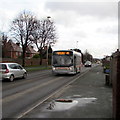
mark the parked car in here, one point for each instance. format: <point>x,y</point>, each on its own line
<point>88,64</point>
<point>12,70</point>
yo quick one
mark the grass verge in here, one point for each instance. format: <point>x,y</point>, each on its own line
<point>37,68</point>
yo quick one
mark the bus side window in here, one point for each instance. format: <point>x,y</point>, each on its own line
<point>74,61</point>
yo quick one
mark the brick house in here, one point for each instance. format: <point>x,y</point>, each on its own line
<point>13,50</point>
<point>30,52</point>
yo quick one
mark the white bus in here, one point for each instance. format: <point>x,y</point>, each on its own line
<point>66,62</point>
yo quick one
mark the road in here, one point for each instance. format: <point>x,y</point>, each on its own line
<point>23,95</point>
<point>89,96</point>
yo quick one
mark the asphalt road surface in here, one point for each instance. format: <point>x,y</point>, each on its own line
<point>23,95</point>
<point>86,97</point>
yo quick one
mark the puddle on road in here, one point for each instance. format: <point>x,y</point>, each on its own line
<point>84,101</point>
<point>75,96</point>
<point>65,104</point>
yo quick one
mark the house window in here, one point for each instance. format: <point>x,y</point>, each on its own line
<point>16,53</point>
<point>20,53</point>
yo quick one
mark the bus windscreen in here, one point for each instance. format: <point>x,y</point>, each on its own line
<point>62,59</point>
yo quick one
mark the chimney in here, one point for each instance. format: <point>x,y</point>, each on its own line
<point>18,44</point>
<point>32,47</point>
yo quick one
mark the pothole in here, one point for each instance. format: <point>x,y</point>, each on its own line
<point>62,104</point>
<point>65,104</point>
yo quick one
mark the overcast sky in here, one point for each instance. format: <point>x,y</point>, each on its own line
<point>84,25</point>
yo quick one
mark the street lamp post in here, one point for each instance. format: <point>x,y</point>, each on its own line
<point>76,44</point>
<point>48,18</point>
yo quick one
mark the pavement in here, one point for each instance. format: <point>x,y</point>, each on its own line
<point>87,97</point>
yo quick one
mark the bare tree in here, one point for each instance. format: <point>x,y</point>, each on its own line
<point>3,41</point>
<point>21,29</point>
<point>87,56</point>
<point>44,35</point>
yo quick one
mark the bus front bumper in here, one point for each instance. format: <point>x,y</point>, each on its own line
<point>60,71</point>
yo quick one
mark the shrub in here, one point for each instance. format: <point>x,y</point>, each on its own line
<point>36,56</point>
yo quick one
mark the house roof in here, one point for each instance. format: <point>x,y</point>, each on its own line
<point>11,46</point>
<point>14,46</point>
<point>30,49</point>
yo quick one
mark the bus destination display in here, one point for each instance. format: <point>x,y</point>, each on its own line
<point>62,53</point>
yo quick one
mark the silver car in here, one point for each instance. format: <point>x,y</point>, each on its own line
<point>11,71</point>
<point>88,64</point>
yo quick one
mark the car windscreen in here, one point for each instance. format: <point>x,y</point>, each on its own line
<point>88,62</point>
<point>3,66</point>
<point>62,60</point>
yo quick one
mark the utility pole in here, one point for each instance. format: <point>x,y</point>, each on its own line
<point>47,55</point>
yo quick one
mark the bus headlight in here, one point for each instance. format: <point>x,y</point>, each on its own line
<point>70,68</point>
<point>53,68</point>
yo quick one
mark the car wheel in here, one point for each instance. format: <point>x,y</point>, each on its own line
<point>25,75</point>
<point>11,78</point>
